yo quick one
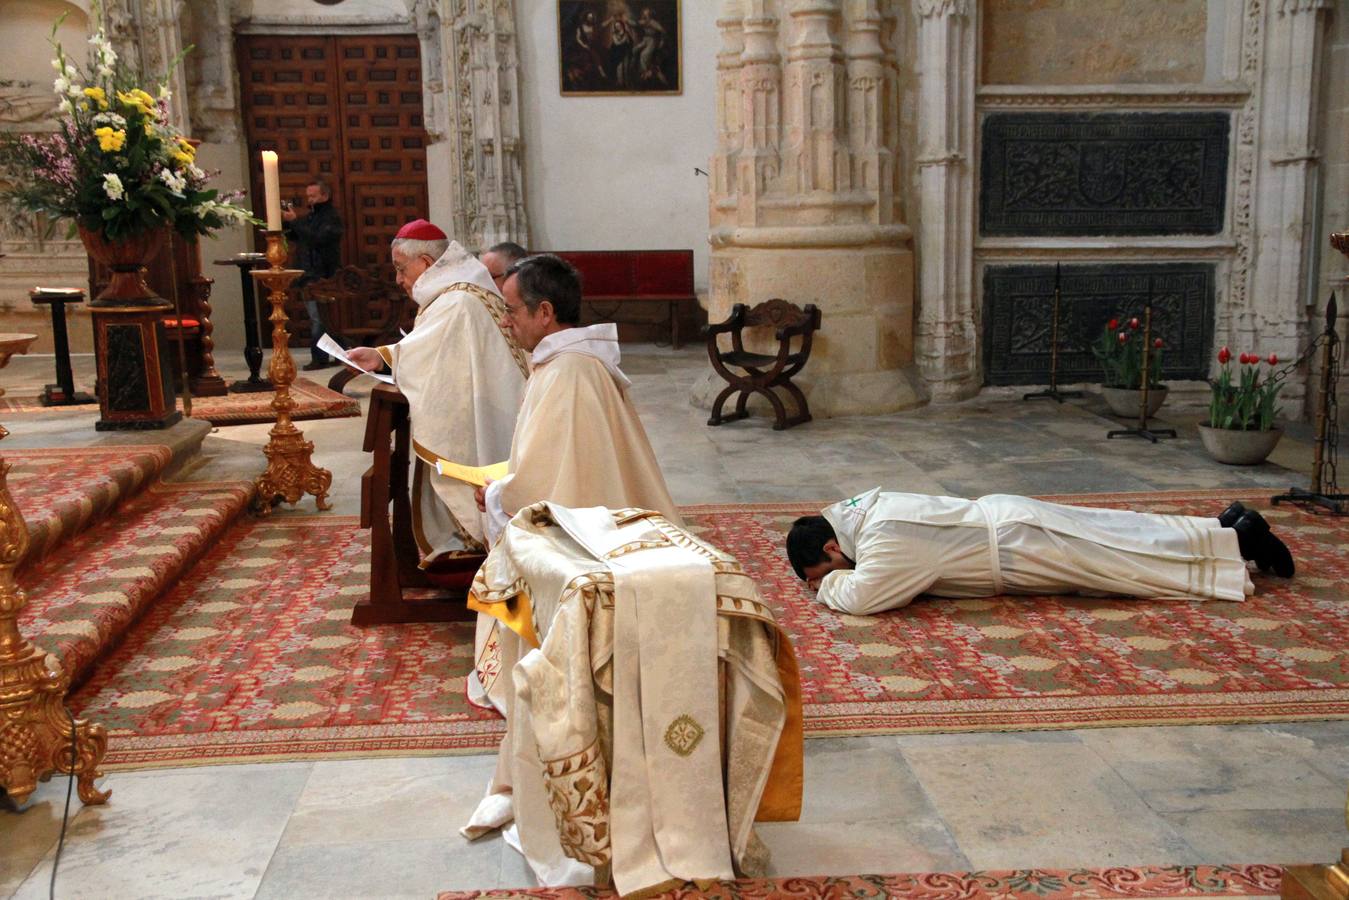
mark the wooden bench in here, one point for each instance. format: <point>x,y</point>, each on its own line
<point>636,276</point>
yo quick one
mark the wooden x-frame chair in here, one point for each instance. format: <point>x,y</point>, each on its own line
<point>763,371</point>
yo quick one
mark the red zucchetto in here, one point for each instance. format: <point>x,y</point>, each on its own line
<point>420,230</point>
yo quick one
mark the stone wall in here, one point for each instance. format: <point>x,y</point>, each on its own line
<point>1093,41</point>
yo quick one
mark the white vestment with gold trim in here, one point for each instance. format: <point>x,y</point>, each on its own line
<point>910,544</point>
<point>464,378</point>
<point>616,730</point>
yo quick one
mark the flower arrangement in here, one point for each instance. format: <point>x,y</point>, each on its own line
<point>115,164</point>
<point>1119,350</point>
<point>1248,403</point>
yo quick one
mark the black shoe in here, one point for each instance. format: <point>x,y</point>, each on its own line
<point>314,365</point>
<point>1260,544</point>
<point>1228,517</point>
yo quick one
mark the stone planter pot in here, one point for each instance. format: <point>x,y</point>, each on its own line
<point>1239,448</point>
<point>1124,401</point>
<point>127,259</point>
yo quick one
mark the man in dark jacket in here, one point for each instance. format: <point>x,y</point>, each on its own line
<point>318,251</point>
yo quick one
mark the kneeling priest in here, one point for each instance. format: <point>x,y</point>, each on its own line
<point>626,751</point>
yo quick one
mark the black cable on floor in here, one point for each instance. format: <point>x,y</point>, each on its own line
<point>70,789</point>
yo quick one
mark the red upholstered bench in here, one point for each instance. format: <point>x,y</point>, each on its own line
<point>637,276</point>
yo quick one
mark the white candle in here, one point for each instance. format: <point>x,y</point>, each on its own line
<point>271,182</point>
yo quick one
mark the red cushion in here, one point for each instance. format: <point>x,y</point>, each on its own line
<point>187,323</point>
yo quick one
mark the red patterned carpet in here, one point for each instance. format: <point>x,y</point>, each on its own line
<point>60,492</point>
<point>1020,884</point>
<point>251,657</point>
<point>313,401</point>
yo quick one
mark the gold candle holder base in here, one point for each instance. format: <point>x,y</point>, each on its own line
<point>1317,882</point>
<point>37,736</point>
<point>290,472</point>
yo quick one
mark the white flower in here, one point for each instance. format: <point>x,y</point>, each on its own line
<point>106,71</point>
<point>195,172</point>
<point>59,65</point>
<point>110,118</point>
<point>112,186</point>
<point>66,106</point>
<point>176,183</point>
<point>165,93</point>
<point>61,85</point>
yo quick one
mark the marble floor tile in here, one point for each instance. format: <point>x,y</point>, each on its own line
<point>348,801</point>
<point>1276,836</point>
<point>26,836</point>
<point>1225,768</point>
<point>851,848</point>
<point>1054,805</point>
<point>176,833</point>
<point>381,869</point>
<point>834,768</point>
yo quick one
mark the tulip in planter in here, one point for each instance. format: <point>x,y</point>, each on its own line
<point>1119,350</point>
<point>1240,429</point>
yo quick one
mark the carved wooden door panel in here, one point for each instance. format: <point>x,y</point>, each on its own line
<point>348,109</point>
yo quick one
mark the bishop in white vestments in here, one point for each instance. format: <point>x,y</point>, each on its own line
<point>880,550</point>
<point>464,377</point>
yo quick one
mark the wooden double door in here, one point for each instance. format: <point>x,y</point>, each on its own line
<point>347,109</point>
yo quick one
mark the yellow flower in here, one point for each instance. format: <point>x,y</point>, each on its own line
<point>182,158</point>
<point>109,140</point>
<point>138,100</point>
<point>97,95</point>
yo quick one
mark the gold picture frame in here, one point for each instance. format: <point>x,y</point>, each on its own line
<point>620,48</point>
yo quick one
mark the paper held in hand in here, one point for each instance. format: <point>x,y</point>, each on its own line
<point>474,475</point>
<point>333,349</point>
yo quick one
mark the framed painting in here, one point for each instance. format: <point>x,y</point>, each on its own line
<point>619,47</point>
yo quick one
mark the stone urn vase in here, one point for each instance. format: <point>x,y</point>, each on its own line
<point>127,259</point>
<point>1235,447</point>
<point>1125,401</point>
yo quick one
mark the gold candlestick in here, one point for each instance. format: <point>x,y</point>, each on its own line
<point>290,472</point>
<point>36,737</point>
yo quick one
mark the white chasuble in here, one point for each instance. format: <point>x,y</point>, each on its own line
<point>904,545</point>
<point>464,378</point>
<point>659,714</point>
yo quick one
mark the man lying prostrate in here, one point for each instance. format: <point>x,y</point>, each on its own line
<point>878,551</point>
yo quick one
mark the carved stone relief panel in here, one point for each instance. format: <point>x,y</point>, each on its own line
<point>1018,322</point>
<point>1104,173</point>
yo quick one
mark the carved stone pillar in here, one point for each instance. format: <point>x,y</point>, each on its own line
<point>947,329</point>
<point>146,34</point>
<point>1277,168</point>
<point>470,73</point>
<point>803,203</point>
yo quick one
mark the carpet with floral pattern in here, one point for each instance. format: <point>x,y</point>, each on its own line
<point>312,401</point>
<point>1019,884</point>
<point>62,491</point>
<point>251,656</point>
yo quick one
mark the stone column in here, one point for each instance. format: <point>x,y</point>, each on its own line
<point>470,70</point>
<point>147,35</point>
<point>947,330</point>
<point>802,200</point>
<point>1277,167</point>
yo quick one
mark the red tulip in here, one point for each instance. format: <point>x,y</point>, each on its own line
<point>1112,325</point>
<point>1133,323</point>
<point>1246,359</point>
<point>1123,338</point>
<point>1273,359</point>
<point>1157,343</point>
<point>1224,356</point>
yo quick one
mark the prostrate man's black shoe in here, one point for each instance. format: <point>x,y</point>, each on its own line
<point>314,365</point>
<point>1228,517</point>
<point>1260,544</point>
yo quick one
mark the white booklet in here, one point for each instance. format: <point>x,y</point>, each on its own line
<point>334,349</point>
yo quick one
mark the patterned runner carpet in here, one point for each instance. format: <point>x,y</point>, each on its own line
<point>251,656</point>
<point>1020,884</point>
<point>313,401</point>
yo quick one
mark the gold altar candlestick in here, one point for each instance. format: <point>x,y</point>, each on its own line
<point>290,472</point>
<point>36,736</point>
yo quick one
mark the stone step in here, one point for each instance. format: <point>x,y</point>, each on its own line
<point>86,593</point>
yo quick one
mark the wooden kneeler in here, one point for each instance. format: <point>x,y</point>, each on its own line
<point>401,591</point>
